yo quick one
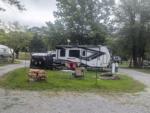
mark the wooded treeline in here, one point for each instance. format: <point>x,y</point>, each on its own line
<point>123,26</point>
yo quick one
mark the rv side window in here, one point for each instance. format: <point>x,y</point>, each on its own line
<point>83,53</point>
<point>74,53</point>
<point>62,53</point>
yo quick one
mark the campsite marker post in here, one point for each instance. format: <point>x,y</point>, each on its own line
<point>97,71</point>
<point>26,59</point>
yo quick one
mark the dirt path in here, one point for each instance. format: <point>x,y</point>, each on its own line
<point>68,102</point>
<point>11,67</point>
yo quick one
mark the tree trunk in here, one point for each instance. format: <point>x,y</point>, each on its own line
<point>130,64</point>
<point>17,55</point>
<point>13,58</point>
<point>134,56</point>
<point>141,62</point>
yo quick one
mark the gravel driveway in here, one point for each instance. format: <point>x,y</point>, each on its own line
<point>142,77</point>
<point>11,67</point>
<point>62,102</point>
<point>70,102</point>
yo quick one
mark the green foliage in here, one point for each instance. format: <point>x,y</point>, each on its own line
<point>60,81</point>
<point>82,20</point>
<point>37,44</point>
<point>3,37</point>
<point>55,34</point>
<point>19,40</point>
<point>14,40</point>
<point>17,37</point>
<point>134,17</point>
<point>15,3</point>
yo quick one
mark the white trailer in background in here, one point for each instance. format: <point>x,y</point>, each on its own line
<point>86,55</point>
<point>5,52</point>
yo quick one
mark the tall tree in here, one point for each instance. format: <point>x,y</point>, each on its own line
<point>19,41</point>
<point>37,44</point>
<point>3,37</point>
<point>134,17</point>
<point>84,19</point>
<point>17,37</point>
<point>55,34</point>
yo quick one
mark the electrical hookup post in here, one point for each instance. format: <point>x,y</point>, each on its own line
<point>114,68</point>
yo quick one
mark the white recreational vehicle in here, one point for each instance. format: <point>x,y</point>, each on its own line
<point>5,51</point>
<point>90,56</point>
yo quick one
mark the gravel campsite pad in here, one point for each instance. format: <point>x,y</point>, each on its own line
<point>62,102</point>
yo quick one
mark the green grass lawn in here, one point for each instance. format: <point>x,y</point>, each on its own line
<point>62,81</point>
<point>124,64</point>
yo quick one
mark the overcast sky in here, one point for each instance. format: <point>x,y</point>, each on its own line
<point>38,12</point>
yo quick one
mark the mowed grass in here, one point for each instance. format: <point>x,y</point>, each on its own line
<point>63,81</point>
<point>124,64</point>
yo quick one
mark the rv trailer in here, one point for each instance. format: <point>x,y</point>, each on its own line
<point>5,51</point>
<point>84,55</point>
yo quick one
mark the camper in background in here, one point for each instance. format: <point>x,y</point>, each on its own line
<point>5,52</point>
